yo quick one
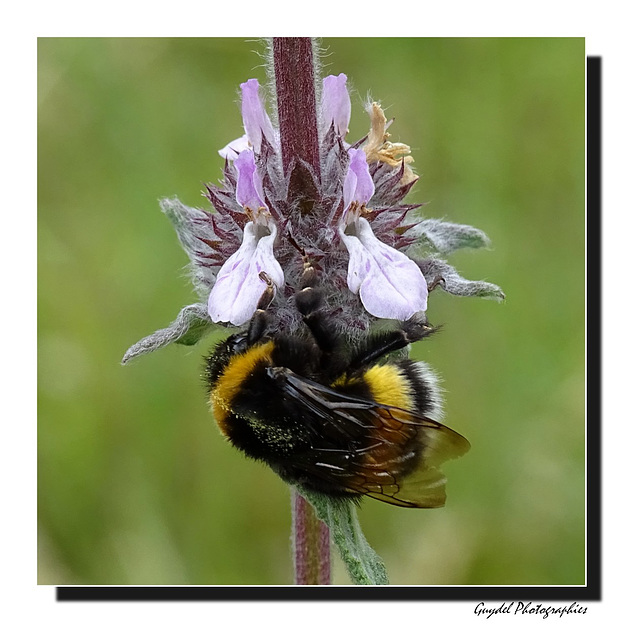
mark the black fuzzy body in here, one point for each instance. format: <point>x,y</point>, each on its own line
<point>315,416</point>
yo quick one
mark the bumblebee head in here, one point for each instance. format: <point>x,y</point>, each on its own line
<point>218,359</point>
<point>237,343</point>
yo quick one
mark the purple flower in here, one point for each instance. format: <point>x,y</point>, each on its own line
<point>390,284</point>
<point>249,192</point>
<point>255,119</point>
<point>335,107</point>
<point>238,286</point>
<point>358,187</point>
<point>254,116</point>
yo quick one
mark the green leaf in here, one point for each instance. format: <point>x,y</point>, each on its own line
<point>197,330</point>
<point>363,564</point>
<point>446,237</point>
<point>188,328</point>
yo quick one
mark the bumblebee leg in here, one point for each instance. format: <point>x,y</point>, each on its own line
<point>268,294</point>
<point>309,298</point>
<point>259,321</point>
<point>309,302</point>
<point>381,344</point>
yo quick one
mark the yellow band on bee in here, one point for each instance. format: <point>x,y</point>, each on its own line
<point>389,385</point>
<point>239,368</point>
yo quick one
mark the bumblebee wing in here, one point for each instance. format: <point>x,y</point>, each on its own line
<point>367,448</point>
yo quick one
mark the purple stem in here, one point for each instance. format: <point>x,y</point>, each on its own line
<point>294,71</point>
<point>311,542</point>
<point>296,98</point>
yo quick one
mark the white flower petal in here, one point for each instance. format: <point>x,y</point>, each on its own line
<point>358,261</point>
<point>234,148</point>
<point>390,284</point>
<point>238,287</point>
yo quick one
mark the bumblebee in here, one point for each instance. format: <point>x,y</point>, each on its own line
<point>347,422</point>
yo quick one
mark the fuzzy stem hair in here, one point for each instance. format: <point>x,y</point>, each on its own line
<point>311,543</point>
<point>294,72</point>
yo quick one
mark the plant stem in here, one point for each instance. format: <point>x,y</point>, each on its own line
<point>311,544</point>
<point>294,71</point>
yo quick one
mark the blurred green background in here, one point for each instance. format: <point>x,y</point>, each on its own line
<point>136,486</point>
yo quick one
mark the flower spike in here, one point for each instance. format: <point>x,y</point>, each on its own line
<point>393,257</point>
